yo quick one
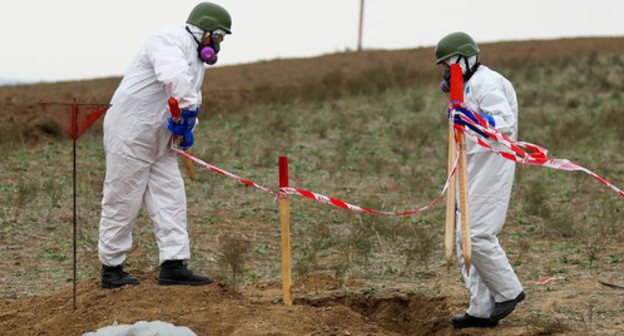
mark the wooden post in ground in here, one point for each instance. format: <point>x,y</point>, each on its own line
<point>285,225</point>
<point>457,93</point>
<point>449,238</point>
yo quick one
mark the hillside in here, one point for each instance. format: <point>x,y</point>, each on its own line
<point>368,128</point>
<point>233,88</point>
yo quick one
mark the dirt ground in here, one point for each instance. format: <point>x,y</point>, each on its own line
<point>322,305</point>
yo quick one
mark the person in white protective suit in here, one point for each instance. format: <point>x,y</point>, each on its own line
<point>141,169</point>
<point>494,287</point>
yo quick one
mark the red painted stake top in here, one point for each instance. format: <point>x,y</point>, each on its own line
<point>174,108</point>
<point>457,83</point>
<point>283,171</point>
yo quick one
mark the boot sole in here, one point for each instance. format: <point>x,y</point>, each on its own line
<point>165,282</point>
<point>111,286</point>
<point>484,324</point>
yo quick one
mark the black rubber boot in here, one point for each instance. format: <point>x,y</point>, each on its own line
<point>502,309</point>
<point>175,272</point>
<point>113,277</point>
<point>469,321</point>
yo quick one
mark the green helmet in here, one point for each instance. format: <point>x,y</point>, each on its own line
<point>209,16</point>
<point>458,43</point>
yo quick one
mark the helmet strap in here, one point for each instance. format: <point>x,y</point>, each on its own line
<point>193,35</point>
<point>470,70</point>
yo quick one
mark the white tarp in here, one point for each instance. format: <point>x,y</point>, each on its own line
<point>143,328</point>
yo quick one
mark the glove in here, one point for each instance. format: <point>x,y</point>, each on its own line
<point>182,128</point>
<point>463,109</point>
<point>187,140</point>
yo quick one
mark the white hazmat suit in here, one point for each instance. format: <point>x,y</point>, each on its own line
<point>140,167</point>
<point>490,179</point>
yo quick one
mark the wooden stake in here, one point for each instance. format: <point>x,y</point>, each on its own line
<point>457,93</point>
<point>285,225</point>
<point>463,202</point>
<point>188,165</point>
<point>449,239</point>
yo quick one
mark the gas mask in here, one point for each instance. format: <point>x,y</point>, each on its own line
<point>469,66</point>
<point>445,85</point>
<point>208,53</point>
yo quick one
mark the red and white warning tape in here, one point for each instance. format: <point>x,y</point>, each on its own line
<point>284,192</point>
<point>221,171</point>
<point>523,152</point>
<point>345,205</point>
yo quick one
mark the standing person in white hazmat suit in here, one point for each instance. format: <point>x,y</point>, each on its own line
<point>494,287</point>
<point>141,169</point>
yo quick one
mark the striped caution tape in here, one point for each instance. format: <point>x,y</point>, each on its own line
<point>341,204</point>
<point>285,192</point>
<point>221,171</point>
<point>522,152</point>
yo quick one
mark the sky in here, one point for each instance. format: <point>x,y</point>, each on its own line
<point>58,40</point>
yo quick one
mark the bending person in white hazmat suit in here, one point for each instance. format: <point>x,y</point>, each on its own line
<point>140,166</point>
<point>494,287</point>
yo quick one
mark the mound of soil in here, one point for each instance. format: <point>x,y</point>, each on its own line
<point>323,306</point>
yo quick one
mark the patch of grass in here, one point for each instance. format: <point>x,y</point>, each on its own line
<point>548,325</point>
<point>535,195</point>
<point>52,254</point>
<point>233,256</point>
<point>26,192</point>
<point>421,245</point>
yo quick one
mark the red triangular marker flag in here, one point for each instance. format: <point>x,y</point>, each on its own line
<point>74,118</point>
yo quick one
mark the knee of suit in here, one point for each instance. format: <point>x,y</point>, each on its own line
<point>483,243</point>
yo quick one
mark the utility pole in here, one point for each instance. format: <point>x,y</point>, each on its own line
<point>361,25</point>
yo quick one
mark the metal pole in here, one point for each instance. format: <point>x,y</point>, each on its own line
<point>74,132</point>
<point>361,25</point>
